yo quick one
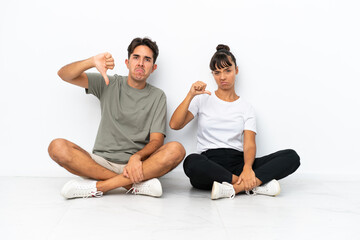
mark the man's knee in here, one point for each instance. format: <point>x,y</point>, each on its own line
<point>175,152</point>
<point>57,149</point>
<point>176,149</point>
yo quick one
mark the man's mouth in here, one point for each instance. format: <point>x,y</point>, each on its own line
<point>139,70</point>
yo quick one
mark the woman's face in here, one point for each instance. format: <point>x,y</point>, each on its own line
<point>225,77</point>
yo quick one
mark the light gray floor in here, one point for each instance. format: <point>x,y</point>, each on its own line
<point>309,207</point>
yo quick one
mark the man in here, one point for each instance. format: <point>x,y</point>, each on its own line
<point>128,150</point>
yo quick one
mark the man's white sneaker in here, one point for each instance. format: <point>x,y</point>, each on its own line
<point>271,188</point>
<point>222,190</point>
<point>151,187</point>
<point>80,188</point>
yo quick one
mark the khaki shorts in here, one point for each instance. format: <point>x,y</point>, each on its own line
<point>115,167</point>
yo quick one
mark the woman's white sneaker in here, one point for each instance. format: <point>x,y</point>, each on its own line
<point>222,190</point>
<point>151,187</point>
<point>271,188</point>
<point>78,188</point>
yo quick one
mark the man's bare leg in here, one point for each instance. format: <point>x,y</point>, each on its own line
<point>158,164</point>
<point>77,161</point>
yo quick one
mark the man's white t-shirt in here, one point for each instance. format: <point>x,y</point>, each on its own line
<point>221,124</point>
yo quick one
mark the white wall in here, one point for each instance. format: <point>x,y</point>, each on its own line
<point>299,67</point>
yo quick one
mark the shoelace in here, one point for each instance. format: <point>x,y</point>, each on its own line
<point>228,191</point>
<point>266,188</point>
<point>232,192</point>
<point>134,190</point>
<point>95,194</point>
<point>84,190</point>
<point>90,194</point>
<point>250,193</point>
<point>232,195</point>
<point>253,191</point>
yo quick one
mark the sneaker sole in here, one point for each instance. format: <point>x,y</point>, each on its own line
<point>156,194</point>
<point>159,186</point>
<point>278,191</point>
<point>271,195</point>
<point>66,189</point>
<point>214,189</point>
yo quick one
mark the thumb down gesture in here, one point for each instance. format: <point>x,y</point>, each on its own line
<point>103,62</point>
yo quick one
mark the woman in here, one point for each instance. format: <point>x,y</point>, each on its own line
<point>226,147</point>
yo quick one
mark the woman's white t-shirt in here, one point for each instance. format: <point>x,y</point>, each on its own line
<point>221,124</point>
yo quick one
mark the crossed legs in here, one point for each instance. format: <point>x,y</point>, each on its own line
<point>203,172</point>
<point>79,162</point>
<point>225,165</point>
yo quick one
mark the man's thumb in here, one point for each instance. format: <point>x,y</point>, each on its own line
<point>106,79</point>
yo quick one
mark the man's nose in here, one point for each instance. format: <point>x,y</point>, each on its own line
<point>141,62</point>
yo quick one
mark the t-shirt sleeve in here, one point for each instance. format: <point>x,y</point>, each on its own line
<point>194,105</point>
<point>159,122</point>
<point>250,120</point>
<point>96,84</point>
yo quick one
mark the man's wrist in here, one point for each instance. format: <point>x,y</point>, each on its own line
<point>137,156</point>
<point>91,62</point>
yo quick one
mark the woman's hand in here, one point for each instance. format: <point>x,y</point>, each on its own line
<point>182,115</point>
<point>198,88</point>
<point>248,178</point>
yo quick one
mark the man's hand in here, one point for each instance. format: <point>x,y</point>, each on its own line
<point>133,169</point>
<point>103,62</point>
<point>248,178</point>
<point>198,88</point>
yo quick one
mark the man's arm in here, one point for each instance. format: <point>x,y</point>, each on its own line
<point>156,141</point>
<point>74,73</point>
<point>133,169</point>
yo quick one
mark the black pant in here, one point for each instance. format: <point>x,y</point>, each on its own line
<point>220,164</point>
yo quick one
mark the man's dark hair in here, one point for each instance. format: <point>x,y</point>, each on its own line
<point>222,58</point>
<point>146,42</point>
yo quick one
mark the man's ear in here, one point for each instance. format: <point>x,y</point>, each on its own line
<point>154,68</point>
<point>127,63</point>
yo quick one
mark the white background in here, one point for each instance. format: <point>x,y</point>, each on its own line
<point>299,67</point>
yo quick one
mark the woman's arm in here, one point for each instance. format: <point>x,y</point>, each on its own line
<point>248,175</point>
<point>182,115</point>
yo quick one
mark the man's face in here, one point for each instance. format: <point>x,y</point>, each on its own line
<point>141,63</point>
